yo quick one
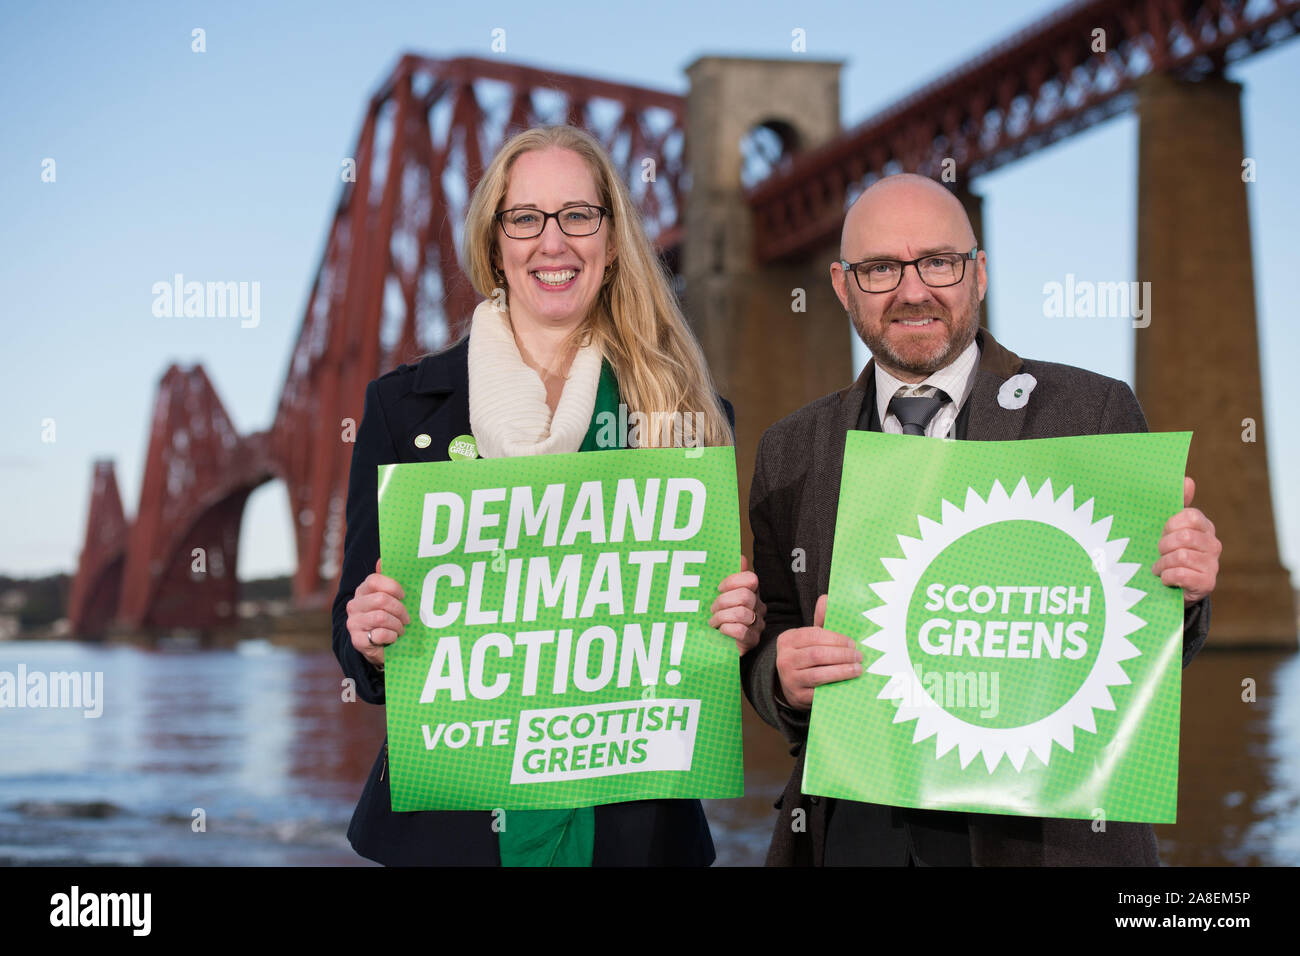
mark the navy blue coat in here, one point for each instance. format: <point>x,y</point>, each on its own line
<point>432,398</point>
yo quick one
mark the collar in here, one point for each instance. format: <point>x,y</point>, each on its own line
<point>443,372</point>
<point>996,364</point>
<point>957,378</point>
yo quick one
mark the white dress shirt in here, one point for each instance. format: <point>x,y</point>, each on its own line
<point>956,379</point>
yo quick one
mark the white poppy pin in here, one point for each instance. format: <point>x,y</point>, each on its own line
<point>1014,392</point>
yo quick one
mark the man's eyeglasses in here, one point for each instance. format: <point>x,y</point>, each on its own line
<point>885,275</point>
<point>525,222</point>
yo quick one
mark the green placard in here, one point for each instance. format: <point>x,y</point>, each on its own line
<point>1019,655</point>
<point>559,653</point>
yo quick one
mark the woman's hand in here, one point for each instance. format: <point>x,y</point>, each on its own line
<point>737,611</point>
<point>376,617</point>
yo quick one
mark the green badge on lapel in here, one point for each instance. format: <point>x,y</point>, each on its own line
<point>423,441</point>
<point>462,448</point>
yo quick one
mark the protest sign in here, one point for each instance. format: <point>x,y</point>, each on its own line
<point>559,653</point>
<point>1019,655</point>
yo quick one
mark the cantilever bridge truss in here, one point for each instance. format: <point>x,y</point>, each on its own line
<point>389,288</point>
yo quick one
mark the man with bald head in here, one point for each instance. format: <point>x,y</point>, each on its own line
<point>912,278</point>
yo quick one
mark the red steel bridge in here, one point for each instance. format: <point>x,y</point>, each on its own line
<point>389,288</point>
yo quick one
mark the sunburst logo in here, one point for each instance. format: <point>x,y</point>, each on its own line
<point>1025,586</point>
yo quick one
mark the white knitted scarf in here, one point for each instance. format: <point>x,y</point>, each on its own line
<point>508,413</point>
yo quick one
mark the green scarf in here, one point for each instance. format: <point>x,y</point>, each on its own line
<point>560,837</point>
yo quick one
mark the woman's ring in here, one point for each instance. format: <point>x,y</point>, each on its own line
<point>370,637</point>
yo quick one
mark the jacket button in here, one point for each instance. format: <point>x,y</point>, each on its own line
<point>816,800</point>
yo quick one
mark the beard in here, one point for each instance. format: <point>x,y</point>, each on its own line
<point>960,326</point>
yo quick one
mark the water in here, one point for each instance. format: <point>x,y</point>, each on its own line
<point>259,740</point>
<point>259,744</point>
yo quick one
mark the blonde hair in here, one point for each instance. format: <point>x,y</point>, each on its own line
<point>635,321</point>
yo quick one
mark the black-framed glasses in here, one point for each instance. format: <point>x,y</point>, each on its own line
<point>525,222</point>
<point>937,270</point>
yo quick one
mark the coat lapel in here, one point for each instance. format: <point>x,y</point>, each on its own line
<point>828,453</point>
<point>444,379</point>
<point>988,420</point>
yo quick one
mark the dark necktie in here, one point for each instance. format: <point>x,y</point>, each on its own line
<point>915,413</point>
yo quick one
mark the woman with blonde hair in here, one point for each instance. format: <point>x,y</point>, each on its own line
<point>577,316</point>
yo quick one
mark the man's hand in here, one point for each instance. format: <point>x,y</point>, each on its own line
<point>1189,551</point>
<point>807,657</point>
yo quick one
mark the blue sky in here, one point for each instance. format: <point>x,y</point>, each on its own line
<point>226,165</point>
